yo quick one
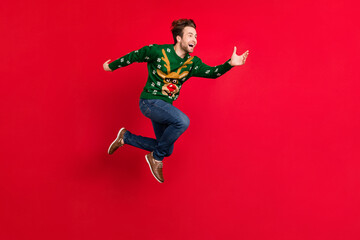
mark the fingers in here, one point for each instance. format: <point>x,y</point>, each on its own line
<point>234,50</point>
<point>245,54</point>
<point>108,61</point>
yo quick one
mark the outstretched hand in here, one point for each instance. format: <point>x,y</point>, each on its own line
<point>106,66</point>
<point>237,60</point>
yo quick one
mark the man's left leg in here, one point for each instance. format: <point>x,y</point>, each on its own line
<point>159,131</point>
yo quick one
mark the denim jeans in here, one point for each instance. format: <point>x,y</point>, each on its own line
<point>168,123</point>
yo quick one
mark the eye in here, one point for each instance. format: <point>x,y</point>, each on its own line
<point>167,80</point>
<point>174,81</point>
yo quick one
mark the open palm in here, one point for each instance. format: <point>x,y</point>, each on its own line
<point>237,60</point>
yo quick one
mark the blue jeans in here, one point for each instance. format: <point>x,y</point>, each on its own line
<point>168,122</point>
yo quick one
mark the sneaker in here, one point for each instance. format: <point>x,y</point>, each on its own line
<point>117,142</point>
<point>155,167</point>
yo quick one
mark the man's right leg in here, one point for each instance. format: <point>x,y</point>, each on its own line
<point>126,137</point>
<point>141,142</point>
<point>138,141</point>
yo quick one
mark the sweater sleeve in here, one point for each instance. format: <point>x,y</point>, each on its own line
<point>144,54</point>
<point>203,70</point>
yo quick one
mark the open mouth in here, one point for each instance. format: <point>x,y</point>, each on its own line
<point>191,45</point>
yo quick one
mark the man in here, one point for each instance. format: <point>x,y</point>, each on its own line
<point>169,66</point>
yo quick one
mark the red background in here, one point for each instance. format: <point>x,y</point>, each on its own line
<point>272,151</point>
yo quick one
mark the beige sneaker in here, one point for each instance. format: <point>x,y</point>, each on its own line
<point>155,167</point>
<point>117,142</point>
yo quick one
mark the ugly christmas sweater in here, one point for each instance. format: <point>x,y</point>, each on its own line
<point>167,71</point>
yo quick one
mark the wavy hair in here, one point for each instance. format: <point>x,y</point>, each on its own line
<point>177,27</point>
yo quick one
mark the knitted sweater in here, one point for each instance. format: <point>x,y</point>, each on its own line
<point>167,71</point>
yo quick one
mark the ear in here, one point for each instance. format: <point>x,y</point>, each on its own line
<point>178,38</point>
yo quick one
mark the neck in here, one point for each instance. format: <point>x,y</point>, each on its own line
<point>179,51</point>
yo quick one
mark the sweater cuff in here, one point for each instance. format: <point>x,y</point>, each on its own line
<point>114,65</point>
<point>227,65</point>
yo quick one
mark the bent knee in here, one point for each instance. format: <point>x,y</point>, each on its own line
<point>184,122</point>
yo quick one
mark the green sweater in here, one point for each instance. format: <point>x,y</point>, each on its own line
<point>168,71</point>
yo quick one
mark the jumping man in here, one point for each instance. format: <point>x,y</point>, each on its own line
<point>169,67</point>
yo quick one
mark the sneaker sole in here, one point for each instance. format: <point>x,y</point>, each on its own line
<point>147,160</point>
<point>118,135</point>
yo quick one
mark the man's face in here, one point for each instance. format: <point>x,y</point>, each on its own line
<point>188,40</point>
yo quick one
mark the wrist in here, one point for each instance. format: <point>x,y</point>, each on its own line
<point>107,68</point>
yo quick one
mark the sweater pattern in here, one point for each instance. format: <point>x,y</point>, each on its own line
<point>167,71</point>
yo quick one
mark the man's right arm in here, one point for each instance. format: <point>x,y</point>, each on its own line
<point>106,66</point>
<point>145,54</point>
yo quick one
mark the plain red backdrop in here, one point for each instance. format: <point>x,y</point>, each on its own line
<point>272,151</point>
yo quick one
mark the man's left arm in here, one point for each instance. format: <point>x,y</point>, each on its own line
<point>203,70</point>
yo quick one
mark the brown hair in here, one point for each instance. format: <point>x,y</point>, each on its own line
<point>178,26</point>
